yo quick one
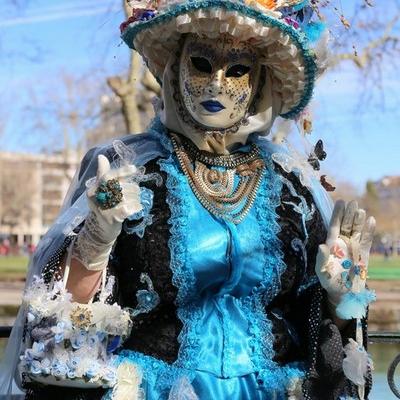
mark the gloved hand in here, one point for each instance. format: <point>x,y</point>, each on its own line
<point>108,210</point>
<point>342,263</point>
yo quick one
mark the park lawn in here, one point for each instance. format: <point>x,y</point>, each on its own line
<point>382,269</point>
<point>14,267</point>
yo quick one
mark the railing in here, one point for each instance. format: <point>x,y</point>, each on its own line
<point>5,332</point>
<point>388,337</point>
<point>373,337</point>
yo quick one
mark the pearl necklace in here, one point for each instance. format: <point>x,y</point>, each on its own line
<point>226,185</point>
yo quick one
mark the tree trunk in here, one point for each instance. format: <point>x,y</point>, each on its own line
<point>125,88</point>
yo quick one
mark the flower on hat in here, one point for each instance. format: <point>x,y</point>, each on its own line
<point>270,4</point>
<point>274,4</point>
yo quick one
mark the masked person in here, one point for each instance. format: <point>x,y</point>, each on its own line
<point>216,239</point>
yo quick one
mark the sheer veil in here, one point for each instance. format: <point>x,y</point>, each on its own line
<point>73,212</point>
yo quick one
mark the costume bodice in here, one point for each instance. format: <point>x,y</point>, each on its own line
<point>226,258</point>
<point>227,262</point>
<point>227,274</point>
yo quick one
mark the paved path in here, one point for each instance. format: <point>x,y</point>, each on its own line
<point>10,293</point>
<point>384,314</point>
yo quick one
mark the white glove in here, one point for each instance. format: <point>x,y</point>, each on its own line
<point>94,242</point>
<point>342,263</point>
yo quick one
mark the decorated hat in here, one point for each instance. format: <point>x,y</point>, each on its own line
<point>283,30</point>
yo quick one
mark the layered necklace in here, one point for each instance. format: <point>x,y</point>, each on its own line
<point>226,185</point>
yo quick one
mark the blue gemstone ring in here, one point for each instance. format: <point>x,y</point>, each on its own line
<point>109,194</point>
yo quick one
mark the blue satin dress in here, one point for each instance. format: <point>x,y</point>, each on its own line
<point>226,274</point>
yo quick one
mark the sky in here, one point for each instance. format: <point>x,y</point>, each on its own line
<point>42,39</point>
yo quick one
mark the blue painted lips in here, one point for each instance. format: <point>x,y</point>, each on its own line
<point>212,106</point>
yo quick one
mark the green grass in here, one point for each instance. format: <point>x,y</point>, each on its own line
<point>382,269</point>
<point>13,267</point>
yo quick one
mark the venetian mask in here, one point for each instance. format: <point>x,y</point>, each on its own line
<point>218,79</point>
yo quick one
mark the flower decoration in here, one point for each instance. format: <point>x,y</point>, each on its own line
<point>363,271</point>
<point>129,378</point>
<point>68,341</point>
<point>59,369</point>
<point>274,4</point>
<point>347,263</point>
<point>113,344</point>
<point>337,251</point>
<point>78,340</point>
<point>59,331</point>
<point>346,279</point>
<point>148,299</point>
<point>45,365</point>
<point>36,368</point>
<point>269,4</point>
<point>81,317</point>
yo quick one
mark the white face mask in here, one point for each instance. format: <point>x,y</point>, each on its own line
<point>218,79</point>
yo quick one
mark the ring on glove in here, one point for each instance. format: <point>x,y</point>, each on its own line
<point>109,194</point>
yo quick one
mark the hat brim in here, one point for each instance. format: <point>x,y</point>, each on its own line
<point>284,49</point>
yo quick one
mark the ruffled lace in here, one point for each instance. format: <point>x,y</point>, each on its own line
<point>157,375</point>
<point>183,276</point>
<point>270,376</point>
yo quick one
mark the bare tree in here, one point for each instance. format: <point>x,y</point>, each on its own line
<point>71,103</point>
<point>369,39</point>
<point>135,89</point>
<point>16,188</point>
<point>365,40</point>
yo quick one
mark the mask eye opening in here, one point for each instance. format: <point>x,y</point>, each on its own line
<point>237,71</point>
<point>201,64</point>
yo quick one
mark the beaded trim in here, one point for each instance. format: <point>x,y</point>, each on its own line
<point>297,37</point>
<point>215,189</point>
<point>219,160</point>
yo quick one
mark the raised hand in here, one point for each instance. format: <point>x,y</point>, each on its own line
<point>342,262</point>
<point>113,196</point>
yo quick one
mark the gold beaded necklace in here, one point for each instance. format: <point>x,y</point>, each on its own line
<point>212,178</point>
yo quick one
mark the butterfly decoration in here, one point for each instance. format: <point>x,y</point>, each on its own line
<point>326,185</point>
<point>317,155</point>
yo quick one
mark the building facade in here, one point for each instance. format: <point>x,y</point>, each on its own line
<point>32,189</point>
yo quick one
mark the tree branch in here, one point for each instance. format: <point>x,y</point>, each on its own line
<point>366,56</point>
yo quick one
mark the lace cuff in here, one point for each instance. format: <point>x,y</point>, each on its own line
<point>89,247</point>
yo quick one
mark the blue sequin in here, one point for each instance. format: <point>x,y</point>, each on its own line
<point>347,264</point>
